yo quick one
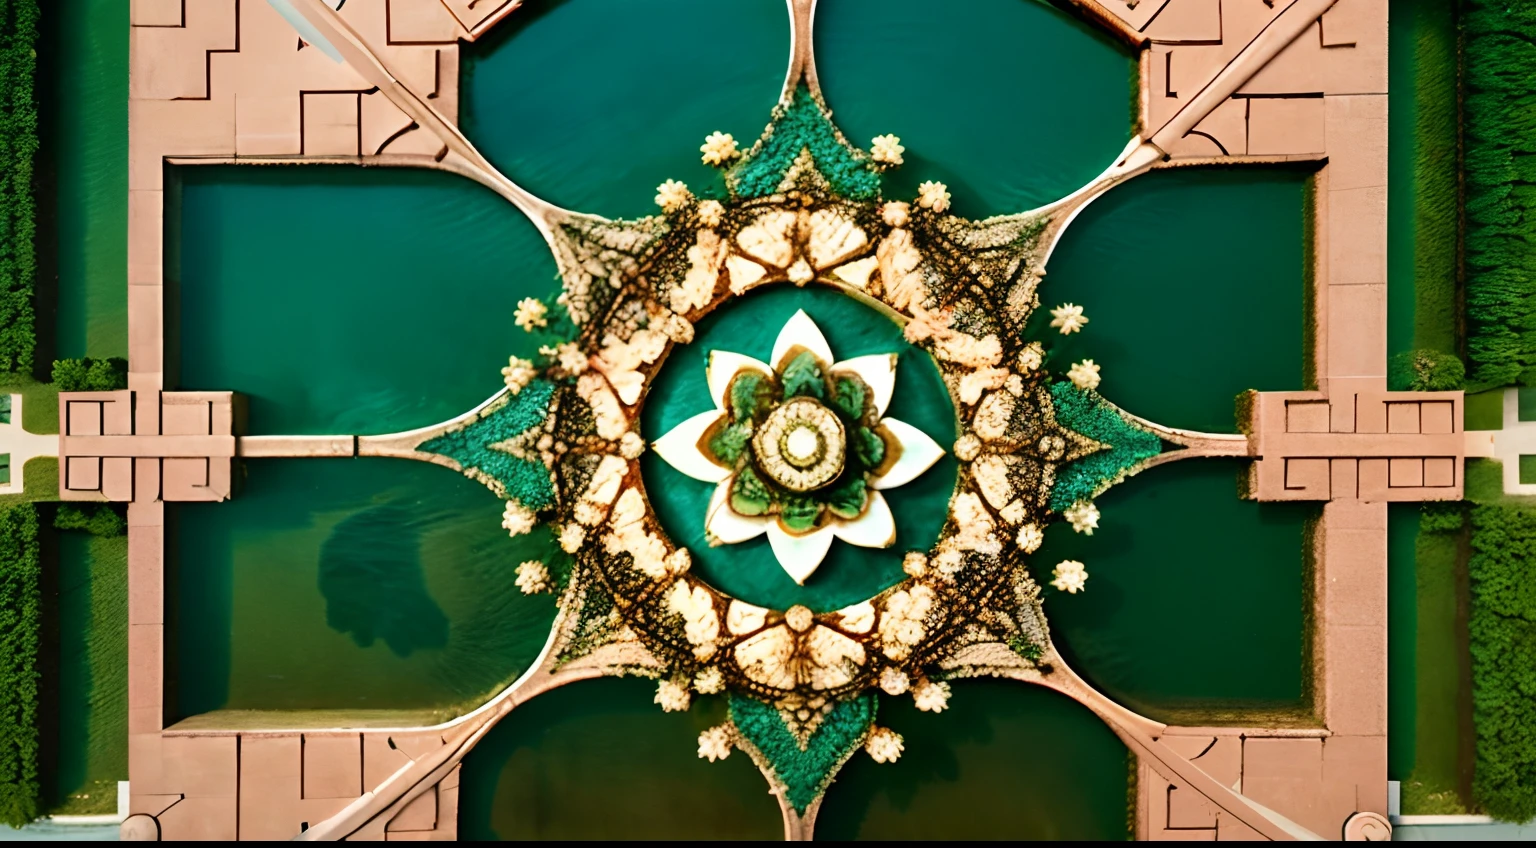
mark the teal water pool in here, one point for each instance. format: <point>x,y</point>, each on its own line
<point>1195,607</point>
<point>349,584</point>
<point>370,301</point>
<point>348,300</point>
<point>1193,281</point>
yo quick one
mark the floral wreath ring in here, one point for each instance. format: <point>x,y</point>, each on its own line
<point>561,444</point>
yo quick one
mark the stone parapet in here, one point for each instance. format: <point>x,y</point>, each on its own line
<point>1365,445</point>
<point>146,446</point>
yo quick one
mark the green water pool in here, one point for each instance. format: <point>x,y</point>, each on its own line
<point>349,584</point>
<point>1005,761</point>
<point>369,301</point>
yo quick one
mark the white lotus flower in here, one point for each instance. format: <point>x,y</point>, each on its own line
<point>886,149</point>
<point>1030,538</point>
<point>930,696</point>
<point>672,696</point>
<point>718,148</point>
<point>716,743</point>
<point>672,196</point>
<point>532,577</point>
<point>530,314</point>
<point>884,745</point>
<point>1084,517</point>
<point>516,520</point>
<point>709,681</point>
<point>518,373</point>
<point>1033,354</point>
<point>711,213</point>
<point>801,447</point>
<point>572,358</point>
<point>1070,576</point>
<point>933,195</point>
<point>1068,318</point>
<point>1084,375</point>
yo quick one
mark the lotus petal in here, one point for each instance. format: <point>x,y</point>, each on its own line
<point>918,454</point>
<point>878,371</point>
<point>874,529</point>
<point>679,448</point>
<point>799,556</point>
<point>729,526</point>
<point>724,365</point>
<point>800,331</point>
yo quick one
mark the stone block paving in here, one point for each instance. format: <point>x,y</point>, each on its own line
<point>1224,81</point>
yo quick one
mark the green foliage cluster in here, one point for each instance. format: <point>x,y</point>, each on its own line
<point>97,519</point>
<point>525,481</point>
<point>1502,627</point>
<point>805,772</point>
<point>799,126</point>
<point>20,641</point>
<point>90,375</point>
<point>1445,517</point>
<point>18,206</point>
<point>1425,371</point>
<point>1436,189</point>
<point>1499,139</point>
<point>1086,412</point>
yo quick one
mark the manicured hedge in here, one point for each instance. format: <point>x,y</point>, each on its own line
<point>20,624</point>
<point>1499,140</point>
<point>1502,627</point>
<point>90,375</point>
<point>97,519</point>
<point>18,207</point>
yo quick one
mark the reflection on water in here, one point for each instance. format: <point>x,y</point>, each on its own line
<point>370,575</point>
<point>599,760</point>
<point>349,584</point>
<point>1005,761</point>
<point>1195,599</point>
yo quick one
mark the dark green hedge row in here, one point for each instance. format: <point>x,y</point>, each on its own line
<point>18,207</point>
<point>20,641</point>
<point>1500,160</point>
<point>90,375</point>
<point>97,519</point>
<point>1502,627</point>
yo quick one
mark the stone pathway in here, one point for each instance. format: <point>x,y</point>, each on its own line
<point>1507,445</point>
<point>22,446</point>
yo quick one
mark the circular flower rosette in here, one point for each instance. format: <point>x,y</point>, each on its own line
<point>798,446</point>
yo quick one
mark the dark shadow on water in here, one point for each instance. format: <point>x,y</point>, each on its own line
<point>372,580</point>
<point>1005,761</point>
<point>599,760</point>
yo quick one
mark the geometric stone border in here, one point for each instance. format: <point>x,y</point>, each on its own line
<point>1296,80</point>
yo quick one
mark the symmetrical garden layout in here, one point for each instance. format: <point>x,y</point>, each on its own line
<point>376,83</point>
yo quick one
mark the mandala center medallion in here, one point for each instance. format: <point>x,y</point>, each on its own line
<point>801,446</point>
<point>800,450</point>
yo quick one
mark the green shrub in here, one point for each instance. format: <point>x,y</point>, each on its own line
<point>90,375</point>
<point>1441,517</point>
<point>20,641</point>
<point>1499,137</point>
<point>97,519</point>
<point>18,206</point>
<point>1425,371</point>
<point>1502,627</point>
